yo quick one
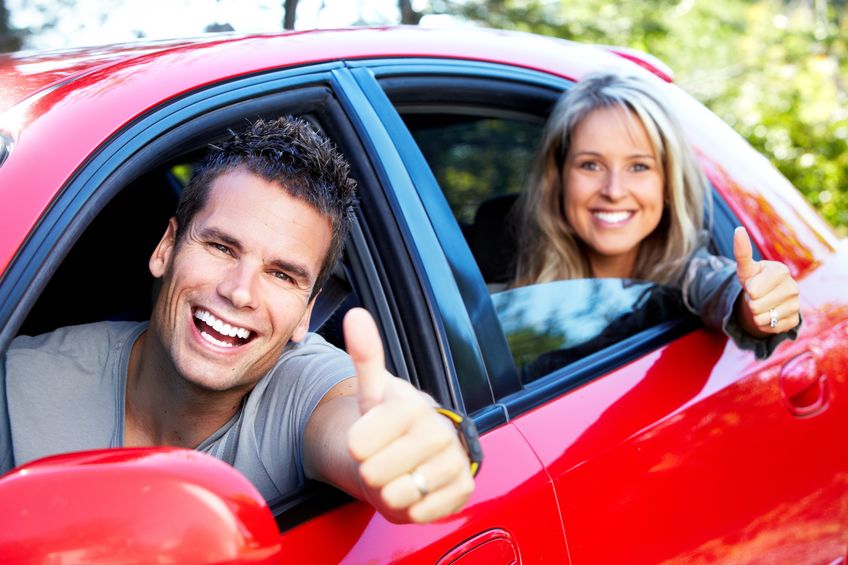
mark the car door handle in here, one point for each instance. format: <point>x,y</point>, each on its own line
<point>804,388</point>
<point>492,547</point>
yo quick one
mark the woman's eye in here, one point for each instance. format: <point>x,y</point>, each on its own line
<point>639,167</point>
<point>590,166</point>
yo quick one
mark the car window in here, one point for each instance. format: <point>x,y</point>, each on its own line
<point>546,332</point>
<point>475,158</point>
<point>481,156</point>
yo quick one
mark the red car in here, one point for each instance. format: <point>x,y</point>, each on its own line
<point>648,439</point>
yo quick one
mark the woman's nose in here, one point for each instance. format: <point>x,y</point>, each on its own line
<point>613,187</point>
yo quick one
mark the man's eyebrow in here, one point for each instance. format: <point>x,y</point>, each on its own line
<point>295,270</point>
<point>222,236</point>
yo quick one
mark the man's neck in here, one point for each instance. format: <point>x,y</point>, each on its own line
<point>162,408</point>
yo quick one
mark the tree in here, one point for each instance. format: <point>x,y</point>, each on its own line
<point>407,14</point>
<point>772,69</point>
<point>10,40</point>
<point>289,10</point>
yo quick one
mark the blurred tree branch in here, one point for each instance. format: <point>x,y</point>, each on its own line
<point>289,10</point>
<point>10,39</point>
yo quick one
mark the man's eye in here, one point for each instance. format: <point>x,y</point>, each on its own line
<point>282,276</point>
<point>221,247</point>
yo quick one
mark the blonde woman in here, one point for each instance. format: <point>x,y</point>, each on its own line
<point>616,192</point>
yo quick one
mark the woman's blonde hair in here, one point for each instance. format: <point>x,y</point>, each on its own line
<point>548,247</point>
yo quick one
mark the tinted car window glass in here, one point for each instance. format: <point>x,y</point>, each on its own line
<point>553,324</point>
<point>474,158</point>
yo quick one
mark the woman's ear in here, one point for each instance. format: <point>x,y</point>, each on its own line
<point>160,260</point>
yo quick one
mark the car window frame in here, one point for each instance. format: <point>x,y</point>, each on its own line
<point>511,396</point>
<point>171,129</point>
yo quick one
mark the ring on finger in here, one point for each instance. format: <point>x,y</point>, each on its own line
<point>773,318</point>
<point>420,483</point>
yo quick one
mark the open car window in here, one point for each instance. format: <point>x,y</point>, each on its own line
<point>480,149</point>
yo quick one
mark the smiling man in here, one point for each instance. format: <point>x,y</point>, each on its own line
<point>226,364</point>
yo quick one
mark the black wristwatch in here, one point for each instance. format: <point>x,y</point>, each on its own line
<point>468,436</point>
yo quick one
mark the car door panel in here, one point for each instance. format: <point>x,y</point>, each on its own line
<point>692,458</point>
<point>513,506</point>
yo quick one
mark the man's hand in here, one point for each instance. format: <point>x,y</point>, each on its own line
<point>412,466</point>
<point>770,303</point>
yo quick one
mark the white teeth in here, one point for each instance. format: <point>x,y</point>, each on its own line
<point>220,326</point>
<point>612,217</point>
<point>211,339</point>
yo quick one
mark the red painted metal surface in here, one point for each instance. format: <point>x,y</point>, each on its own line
<point>513,494</point>
<point>694,459</point>
<point>134,506</point>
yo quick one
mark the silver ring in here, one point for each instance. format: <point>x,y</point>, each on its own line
<point>420,483</point>
<point>772,318</point>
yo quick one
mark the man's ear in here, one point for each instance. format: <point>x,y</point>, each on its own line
<point>160,261</point>
<point>303,326</point>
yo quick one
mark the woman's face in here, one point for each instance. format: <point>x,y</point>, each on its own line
<point>614,189</point>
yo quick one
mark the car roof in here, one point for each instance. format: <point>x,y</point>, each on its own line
<point>27,74</point>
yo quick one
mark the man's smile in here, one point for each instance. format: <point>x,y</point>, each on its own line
<point>219,332</point>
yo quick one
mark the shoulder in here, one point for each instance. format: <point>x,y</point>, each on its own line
<point>78,346</point>
<point>86,338</point>
<point>312,350</point>
<point>311,366</point>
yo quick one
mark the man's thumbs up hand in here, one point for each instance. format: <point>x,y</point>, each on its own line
<point>412,466</point>
<point>366,350</point>
<point>770,304</point>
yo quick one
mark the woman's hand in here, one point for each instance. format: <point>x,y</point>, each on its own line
<point>770,303</point>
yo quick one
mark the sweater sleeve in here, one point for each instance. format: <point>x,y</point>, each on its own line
<point>710,290</point>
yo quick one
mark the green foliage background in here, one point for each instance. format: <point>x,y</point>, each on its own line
<point>775,71</point>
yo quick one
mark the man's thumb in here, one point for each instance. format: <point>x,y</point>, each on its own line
<point>365,348</point>
<point>746,267</point>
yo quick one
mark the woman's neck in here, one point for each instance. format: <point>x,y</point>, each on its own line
<point>613,267</point>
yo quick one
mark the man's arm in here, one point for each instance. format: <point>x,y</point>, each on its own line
<point>379,439</point>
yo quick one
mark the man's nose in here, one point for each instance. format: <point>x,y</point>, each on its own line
<point>239,285</point>
<point>613,187</point>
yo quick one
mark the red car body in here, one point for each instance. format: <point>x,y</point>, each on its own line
<point>684,449</point>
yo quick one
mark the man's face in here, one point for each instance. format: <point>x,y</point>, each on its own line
<point>236,287</point>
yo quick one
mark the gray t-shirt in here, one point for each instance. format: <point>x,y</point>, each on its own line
<point>65,391</point>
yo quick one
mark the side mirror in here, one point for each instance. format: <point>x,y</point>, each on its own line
<point>140,505</point>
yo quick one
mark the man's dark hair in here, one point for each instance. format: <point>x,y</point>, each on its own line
<point>289,152</point>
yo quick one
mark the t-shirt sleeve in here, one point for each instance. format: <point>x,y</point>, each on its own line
<point>710,290</point>
<point>6,459</point>
<point>279,409</point>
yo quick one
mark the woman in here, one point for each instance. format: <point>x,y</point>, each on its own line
<point>616,192</point>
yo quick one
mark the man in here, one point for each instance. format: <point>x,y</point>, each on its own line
<point>226,364</point>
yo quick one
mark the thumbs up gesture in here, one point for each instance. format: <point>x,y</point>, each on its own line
<point>770,304</point>
<point>412,466</point>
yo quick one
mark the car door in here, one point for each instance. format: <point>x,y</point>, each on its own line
<point>666,444</point>
<point>120,199</point>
